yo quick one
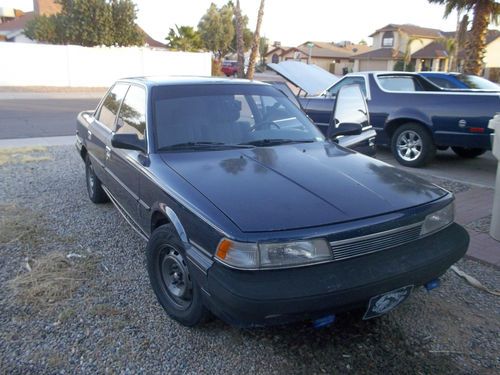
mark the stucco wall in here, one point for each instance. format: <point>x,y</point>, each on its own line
<point>49,65</point>
<point>492,56</point>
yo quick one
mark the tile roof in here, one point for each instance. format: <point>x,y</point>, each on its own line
<point>430,51</point>
<point>18,23</point>
<point>379,54</point>
<point>411,30</point>
<point>490,36</point>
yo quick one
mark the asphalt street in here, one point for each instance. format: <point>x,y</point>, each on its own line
<point>41,116</point>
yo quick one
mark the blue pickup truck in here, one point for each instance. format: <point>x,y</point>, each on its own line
<point>409,113</point>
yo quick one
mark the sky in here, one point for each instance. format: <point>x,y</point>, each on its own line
<point>292,22</point>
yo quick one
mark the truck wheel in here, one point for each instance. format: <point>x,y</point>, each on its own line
<point>94,187</point>
<point>176,291</point>
<point>412,145</point>
<point>468,153</point>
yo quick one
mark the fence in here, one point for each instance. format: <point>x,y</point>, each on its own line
<point>23,64</point>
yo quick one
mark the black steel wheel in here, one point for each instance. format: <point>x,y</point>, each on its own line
<point>169,273</point>
<point>94,186</point>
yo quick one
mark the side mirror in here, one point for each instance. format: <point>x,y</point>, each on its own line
<point>346,128</point>
<point>128,142</point>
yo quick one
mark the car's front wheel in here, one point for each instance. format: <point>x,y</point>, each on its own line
<point>94,186</point>
<point>170,277</point>
<point>412,145</point>
<point>468,153</point>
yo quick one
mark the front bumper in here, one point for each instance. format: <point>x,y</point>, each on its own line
<point>257,298</point>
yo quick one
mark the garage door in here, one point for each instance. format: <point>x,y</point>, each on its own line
<point>365,65</point>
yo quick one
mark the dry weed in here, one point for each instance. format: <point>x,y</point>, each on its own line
<point>52,278</point>
<point>20,155</point>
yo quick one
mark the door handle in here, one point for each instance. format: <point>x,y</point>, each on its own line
<point>89,135</point>
<point>108,152</point>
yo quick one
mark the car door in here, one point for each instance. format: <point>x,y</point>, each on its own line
<point>122,164</point>
<point>101,127</point>
<point>320,108</point>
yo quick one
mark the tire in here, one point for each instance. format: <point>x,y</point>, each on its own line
<point>94,186</point>
<point>169,274</point>
<point>468,153</point>
<point>412,145</point>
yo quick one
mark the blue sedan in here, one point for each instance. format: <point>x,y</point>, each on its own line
<point>460,81</point>
<point>250,213</point>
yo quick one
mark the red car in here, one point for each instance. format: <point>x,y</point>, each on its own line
<point>230,67</point>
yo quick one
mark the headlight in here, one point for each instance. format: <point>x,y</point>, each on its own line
<point>271,255</point>
<point>438,219</point>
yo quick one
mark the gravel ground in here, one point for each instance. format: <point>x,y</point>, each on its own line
<point>110,322</point>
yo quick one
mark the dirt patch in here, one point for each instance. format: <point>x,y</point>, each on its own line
<point>23,155</point>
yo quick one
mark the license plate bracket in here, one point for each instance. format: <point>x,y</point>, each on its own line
<point>385,302</point>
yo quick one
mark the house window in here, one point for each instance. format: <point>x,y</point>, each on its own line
<point>388,39</point>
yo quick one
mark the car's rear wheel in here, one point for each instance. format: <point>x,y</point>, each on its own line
<point>468,153</point>
<point>94,186</point>
<point>412,145</point>
<point>170,277</point>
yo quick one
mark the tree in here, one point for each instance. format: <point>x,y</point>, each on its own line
<point>239,40</point>
<point>184,38</point>
<point>217,30</point>
<point>255,42</point>
<point>246,33</point>
<point>263,46</point>
<point>89,23</point>
<point>485,11</point>
<point>124,15</point>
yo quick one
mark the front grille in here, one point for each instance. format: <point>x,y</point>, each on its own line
<point>372,243</point>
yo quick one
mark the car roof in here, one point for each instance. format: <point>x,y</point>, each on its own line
<point>152,81</point>
<point>440,73</point>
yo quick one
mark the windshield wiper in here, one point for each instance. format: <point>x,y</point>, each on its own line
<point>276,141</point>
<point>201,144</point>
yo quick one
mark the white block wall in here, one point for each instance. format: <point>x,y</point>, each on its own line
<point>23,64</point>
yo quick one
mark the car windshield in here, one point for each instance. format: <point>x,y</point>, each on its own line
<point>208,116</point>
<point>475,82</point>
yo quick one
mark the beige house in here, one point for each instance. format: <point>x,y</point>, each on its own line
<point>392,42</point>
<point>336,59</point>
<point>425,49</point>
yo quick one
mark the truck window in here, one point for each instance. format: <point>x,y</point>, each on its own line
<point>398,83</point>
<point>334,90</point>
<point>111,105</point>
<point>132,117</point>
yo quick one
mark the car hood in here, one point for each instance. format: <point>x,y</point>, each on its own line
<point>309,77</point>
<point>299,186</point>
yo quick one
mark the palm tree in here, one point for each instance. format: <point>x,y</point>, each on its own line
<point>239,40</point>
<point>450,46</point>
<point>407,52</point>
<point>485,11</point>
<point>255,42</point>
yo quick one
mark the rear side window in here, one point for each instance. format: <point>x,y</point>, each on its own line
<point>111,105</point>
<point>132,118</point>
<point>401,83</point>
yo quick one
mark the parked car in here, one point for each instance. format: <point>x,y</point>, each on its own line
<point>461,81</point>
<point>230,68</point>
<point>250,213</point>
<point>410,114</point>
